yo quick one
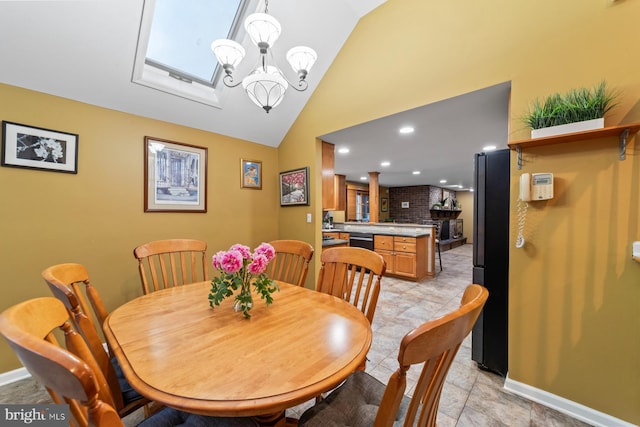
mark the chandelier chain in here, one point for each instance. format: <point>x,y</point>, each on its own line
<point>266,6</point>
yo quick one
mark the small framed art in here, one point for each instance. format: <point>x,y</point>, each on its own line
<point>32,147</point>
<point>175,176</point>
<point>294,187</point>
<point>384,204</point>
<point>251,174</point>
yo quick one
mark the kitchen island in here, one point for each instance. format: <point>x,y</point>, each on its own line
<point>408,249</point>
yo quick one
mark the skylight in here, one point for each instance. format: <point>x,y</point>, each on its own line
<point>174,45</point>
<point>182,32</point>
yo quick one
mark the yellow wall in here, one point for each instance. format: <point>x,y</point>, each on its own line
<point>96,217</point>
<point>574,293</point>
<point>465,198</point>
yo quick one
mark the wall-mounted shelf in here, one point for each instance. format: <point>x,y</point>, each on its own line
<point>445,213</point>
<point>623,132</point>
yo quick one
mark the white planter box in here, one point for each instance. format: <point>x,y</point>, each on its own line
<point>568,128</point>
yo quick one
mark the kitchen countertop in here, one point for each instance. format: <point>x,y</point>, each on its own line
<point>407,230</point>
<point>334,242</point>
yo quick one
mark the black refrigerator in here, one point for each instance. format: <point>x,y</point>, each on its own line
<point>491,259</point>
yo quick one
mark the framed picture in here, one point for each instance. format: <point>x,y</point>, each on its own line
<point>37,148</point>
<point>384,204</point>
<point>251,174</point>
<point>294,187</point>
<point>175,176</point>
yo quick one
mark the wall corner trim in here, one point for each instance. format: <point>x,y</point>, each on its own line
<point>560,404</point>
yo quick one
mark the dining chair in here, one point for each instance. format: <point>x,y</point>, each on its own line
<point>70,284</point>
<point>362,400</point>
<point>291,262</point>
<point>70,373</point>
<point>173,262</point>
<point>354,275</point>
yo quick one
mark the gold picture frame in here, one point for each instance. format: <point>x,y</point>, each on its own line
<point>251,174</point>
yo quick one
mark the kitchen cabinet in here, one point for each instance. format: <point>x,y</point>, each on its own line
<point>405,256</point>
<point>336,235</point>
<point>328,179</point>
<point>340,190</point>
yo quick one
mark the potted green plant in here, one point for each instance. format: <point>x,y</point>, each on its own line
<point>577,110</point>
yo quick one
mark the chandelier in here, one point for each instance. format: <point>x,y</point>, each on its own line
<point>266,84</point>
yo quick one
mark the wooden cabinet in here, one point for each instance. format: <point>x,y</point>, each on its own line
<point>405,256</point>
<point>340,190</point>
<point>405,250</point>
<point>328,181</point>
<point>336,235</point>
<point>384,246</point>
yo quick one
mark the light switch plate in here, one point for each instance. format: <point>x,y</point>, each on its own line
<point>309,217</point>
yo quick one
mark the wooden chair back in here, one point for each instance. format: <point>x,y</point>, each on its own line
<point>172,262</point>
<point>73,279</point>
<point>354,275</point>
<point>70,284</point>
<point>435,344</point>
<point>291,263</point>
<point>70,374</point>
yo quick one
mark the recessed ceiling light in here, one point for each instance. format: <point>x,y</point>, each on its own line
<point>416,172</point>
<point>385,163</point>
<point>343,150</point>
<point>443,181</point>
<point>406,129</point>
<point>363,178</point>
<point>489,148</point>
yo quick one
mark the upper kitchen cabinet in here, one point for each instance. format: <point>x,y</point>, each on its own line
<point>328,181</point>
<point>340,189</point>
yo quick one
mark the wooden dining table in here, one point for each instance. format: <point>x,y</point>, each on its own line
<point>176,350</point>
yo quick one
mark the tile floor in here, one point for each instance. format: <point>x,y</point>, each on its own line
<point>470,397</point>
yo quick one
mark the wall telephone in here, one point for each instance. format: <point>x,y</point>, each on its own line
<point>536,186</point>
<point>533,187</point>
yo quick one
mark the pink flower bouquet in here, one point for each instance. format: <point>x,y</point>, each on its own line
<point>239,268</point>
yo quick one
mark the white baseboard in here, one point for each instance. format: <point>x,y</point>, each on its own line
<point>22,373</point>
<point>560,404</point>
<point>13,376</point>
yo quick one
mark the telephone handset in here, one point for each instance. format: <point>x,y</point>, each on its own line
<point>536,186</point>
<point>533,187</point>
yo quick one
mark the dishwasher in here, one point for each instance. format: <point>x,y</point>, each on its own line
<point>361,240</point>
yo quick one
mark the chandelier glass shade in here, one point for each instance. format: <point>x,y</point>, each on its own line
<point>266,84</point>
<point>265,88</point>
<point>263,29</point>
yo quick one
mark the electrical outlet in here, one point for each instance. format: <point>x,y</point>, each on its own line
<point>309,218</point>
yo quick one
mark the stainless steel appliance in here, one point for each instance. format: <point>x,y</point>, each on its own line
<point>491,259</point>
<point>361,240</point>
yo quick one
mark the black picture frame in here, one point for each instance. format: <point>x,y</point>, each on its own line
<point>31,147</point>
<point>294,187</point>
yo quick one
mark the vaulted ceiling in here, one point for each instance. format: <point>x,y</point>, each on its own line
<point>85,51</point>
